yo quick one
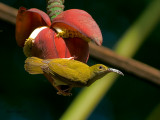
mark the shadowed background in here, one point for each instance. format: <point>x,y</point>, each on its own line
<point>27,97</point>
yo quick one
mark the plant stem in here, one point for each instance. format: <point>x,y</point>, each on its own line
<point>54,8</point>
<point>87,100</point>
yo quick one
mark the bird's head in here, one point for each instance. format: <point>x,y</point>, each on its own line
<point>100,70</point>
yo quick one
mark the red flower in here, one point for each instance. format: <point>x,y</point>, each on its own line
<point>68,35</point>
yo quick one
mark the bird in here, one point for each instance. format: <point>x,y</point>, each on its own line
<point>67,72</point>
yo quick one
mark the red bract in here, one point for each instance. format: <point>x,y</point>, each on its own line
<point>27,21</point>
<point>47,44</point>
<point>82,22</point>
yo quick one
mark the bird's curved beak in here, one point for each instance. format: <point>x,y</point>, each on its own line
<point>115,70</point>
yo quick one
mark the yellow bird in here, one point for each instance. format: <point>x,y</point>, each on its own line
<point>67,72</point>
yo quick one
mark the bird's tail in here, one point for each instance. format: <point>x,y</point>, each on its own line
<point>33,65</point>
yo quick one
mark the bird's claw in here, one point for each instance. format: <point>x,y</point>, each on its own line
<point>64,93</point>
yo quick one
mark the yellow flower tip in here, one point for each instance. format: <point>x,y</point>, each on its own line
<point>29,42</point>
<point>70,33</point>
<point>28,47</point>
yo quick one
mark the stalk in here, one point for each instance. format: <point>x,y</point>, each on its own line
<point>54,8</point>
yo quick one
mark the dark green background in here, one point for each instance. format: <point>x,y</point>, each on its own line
<point>31,97</point>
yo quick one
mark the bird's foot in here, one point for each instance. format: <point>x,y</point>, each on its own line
<point>64,90</point>
<point>64,93</point>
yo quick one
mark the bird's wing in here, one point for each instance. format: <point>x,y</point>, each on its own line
<point>70,71</point>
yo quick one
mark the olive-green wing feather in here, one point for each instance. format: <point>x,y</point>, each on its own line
<point>71,70</point>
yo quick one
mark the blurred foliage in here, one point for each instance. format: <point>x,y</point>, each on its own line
<point>27,97</point>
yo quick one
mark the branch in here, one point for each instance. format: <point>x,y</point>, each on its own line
<point>8,13</point>
<point>130,65</point>
<point>104,54</point>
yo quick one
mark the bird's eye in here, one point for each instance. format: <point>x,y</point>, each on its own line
<point>100,67</point>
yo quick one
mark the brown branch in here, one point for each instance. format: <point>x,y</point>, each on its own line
<point>104,54</point>
<point>130,65</point>
<point>8,13</point>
